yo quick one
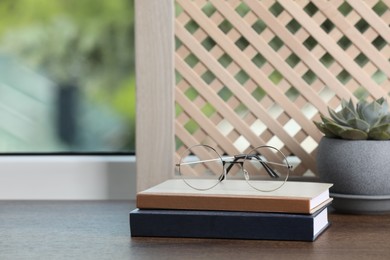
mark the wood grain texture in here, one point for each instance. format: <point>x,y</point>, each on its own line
<point>100,230</point>
<point>155,86</point>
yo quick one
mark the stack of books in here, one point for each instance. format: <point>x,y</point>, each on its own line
<point>232,210</point>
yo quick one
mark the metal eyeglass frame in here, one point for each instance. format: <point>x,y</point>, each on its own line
<point>235,160</point>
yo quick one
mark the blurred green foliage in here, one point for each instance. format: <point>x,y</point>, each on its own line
<point>87,42</point>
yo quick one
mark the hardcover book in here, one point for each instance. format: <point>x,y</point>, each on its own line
<point>227,224</point>
<point>237,195</point>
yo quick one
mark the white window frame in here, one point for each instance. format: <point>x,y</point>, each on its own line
<point>67,177</point>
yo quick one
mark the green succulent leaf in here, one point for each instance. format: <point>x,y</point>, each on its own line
<point>347,113</point>
<point>323,129</point>
<point>371,113</point>
<point>326,119</point>
<point>366,120</point>
<point>379,136</point>
<point>380,132</point>
<point>381,101</point>
<point>346,132</point>
<point>351,106</point>
<point>348,110</point>
<point>384,106</point>
<point>359,124</point>
<point>359,108</point>
<point>334,128</point>
<point>354,134</point>
<point>384,119</point>
<point>337,117</point>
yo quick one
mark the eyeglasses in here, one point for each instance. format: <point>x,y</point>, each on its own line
<point>265,168</point>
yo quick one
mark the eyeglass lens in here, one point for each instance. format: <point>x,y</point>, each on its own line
<point>266,168</point>
<point>201,167</point>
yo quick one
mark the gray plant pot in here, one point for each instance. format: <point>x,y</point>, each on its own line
<point>359,170</point>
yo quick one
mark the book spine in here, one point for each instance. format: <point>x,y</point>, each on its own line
<point>216,224</point>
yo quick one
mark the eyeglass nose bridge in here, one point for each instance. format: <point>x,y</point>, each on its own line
<point>246,174</point>
<point>237,157</point>
<point>231,164</point>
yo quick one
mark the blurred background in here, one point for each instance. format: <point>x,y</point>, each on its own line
<point>67,79</point>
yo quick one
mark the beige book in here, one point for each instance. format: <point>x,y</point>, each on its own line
<point>237,195</point>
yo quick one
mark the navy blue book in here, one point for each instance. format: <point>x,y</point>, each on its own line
<point>227,224</point>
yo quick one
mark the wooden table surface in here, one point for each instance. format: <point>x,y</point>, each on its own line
<point>100,230</point>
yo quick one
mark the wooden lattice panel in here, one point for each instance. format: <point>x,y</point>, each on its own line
<point>259,72</point>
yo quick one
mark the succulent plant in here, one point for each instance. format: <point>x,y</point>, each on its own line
<point>368,120</point>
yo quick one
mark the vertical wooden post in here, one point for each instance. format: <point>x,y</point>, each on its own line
<point>155,91</point>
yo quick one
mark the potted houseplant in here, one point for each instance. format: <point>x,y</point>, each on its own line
<point>354,155</point>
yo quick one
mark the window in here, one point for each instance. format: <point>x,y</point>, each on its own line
<point>67,81</point>
<point>67,86</point>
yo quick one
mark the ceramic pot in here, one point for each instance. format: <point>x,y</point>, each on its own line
<point>355,167</point>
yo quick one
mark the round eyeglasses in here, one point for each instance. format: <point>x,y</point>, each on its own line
<point>265,168</point>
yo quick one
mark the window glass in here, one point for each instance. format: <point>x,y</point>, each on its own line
<point>67,81</point>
